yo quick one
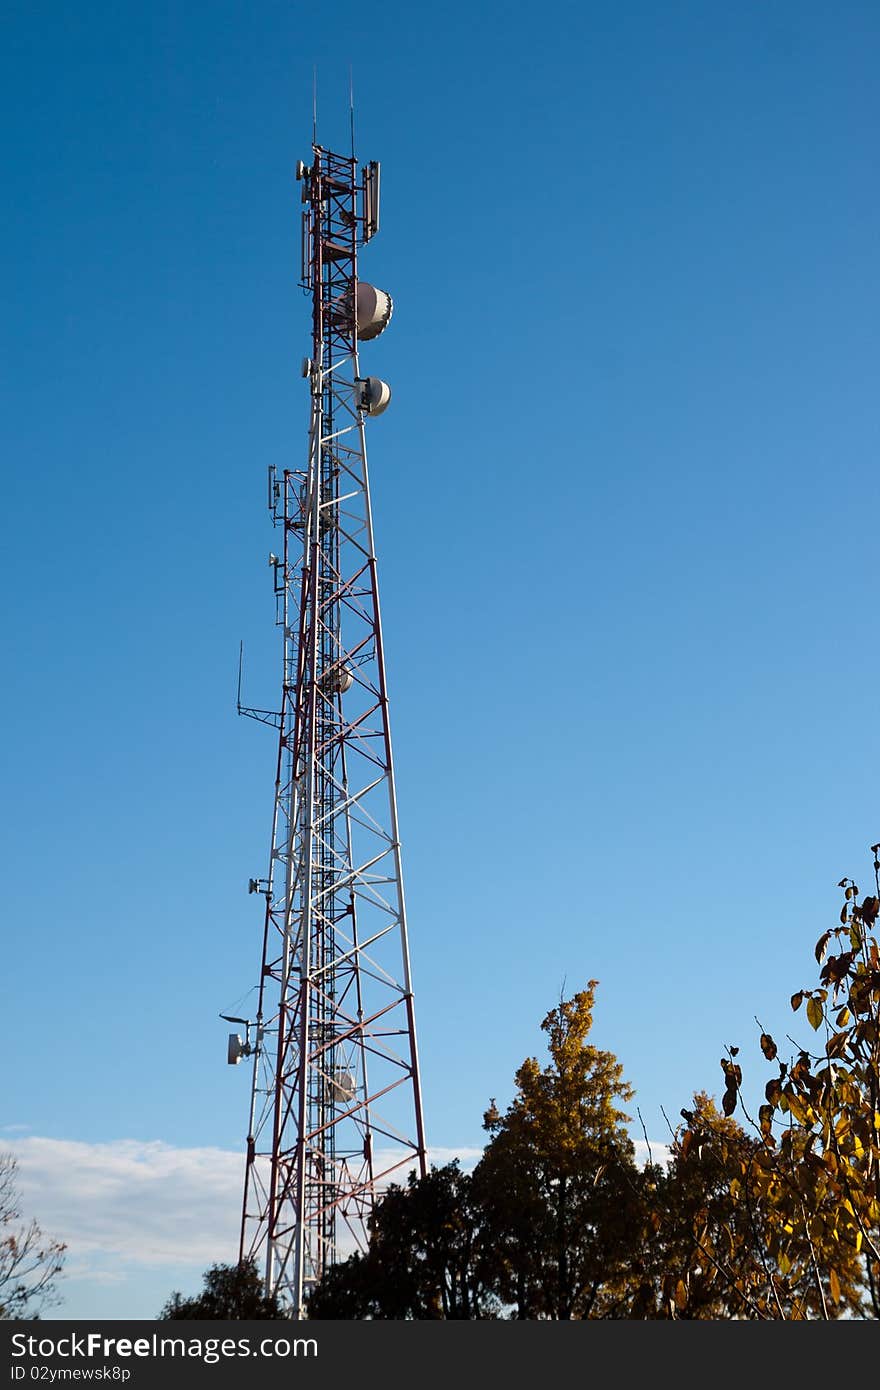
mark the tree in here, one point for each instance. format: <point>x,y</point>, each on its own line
<point>808,1181</point>
<point>704,1248</point>
<point>230,1291</point>
<point>423,1260</point>
<point>777,1217</point>
<point>29,1261</point>
<point>551,1224</point>
<point>346,1291</point>
<point>558,1190</point>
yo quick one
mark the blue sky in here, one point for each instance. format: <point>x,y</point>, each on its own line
<point>624,497</point>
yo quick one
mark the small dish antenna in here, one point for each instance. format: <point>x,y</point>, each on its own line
<point>238,1048</point>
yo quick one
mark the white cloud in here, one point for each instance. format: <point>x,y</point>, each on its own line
<point>144,1202</point>
<point>651,1152</point>
<point>143,1217</point>
<point>466,1157</point>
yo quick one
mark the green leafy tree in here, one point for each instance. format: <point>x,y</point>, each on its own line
<point>423,1260</point>
<point>231,1291</point>
<point>559,1194</point>
<point>29,1261</point>
<point>347,1291</point>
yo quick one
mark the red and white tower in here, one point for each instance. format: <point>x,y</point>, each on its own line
<point>336,1104</point>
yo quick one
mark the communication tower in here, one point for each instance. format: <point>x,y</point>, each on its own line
<point>335,1101</point>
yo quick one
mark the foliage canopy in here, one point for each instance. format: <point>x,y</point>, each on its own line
<point>767,1216</point>
<point>233,1291</point>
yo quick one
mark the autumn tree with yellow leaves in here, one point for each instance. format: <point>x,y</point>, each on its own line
<point>806,1180</point>
<point>558,1189</point>
<point>767,1216</point>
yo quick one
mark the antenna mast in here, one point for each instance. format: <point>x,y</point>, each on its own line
<point>336,1105</point>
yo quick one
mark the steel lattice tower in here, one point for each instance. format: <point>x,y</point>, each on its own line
<point>336,1103</point>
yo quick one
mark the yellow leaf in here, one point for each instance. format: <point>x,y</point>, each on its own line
<point>834,1285</point>
<point>681,1295</point>
<point>815,1012</point>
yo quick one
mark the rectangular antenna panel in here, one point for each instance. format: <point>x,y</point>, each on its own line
<point>306,252</point>
<point>371,199</point>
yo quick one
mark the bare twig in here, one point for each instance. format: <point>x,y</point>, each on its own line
<point>815,1264</point>
<point>647,1140</point>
